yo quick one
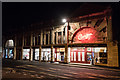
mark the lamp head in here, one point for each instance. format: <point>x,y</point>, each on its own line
<point>64,20</point>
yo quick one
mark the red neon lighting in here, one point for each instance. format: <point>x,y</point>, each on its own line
<point>85,35</point>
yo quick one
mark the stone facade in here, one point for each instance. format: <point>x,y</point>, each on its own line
<point>61,37</point>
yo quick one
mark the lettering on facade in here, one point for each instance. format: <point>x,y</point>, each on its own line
<point>84,37</point>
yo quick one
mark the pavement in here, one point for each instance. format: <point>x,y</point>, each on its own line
<point>23,70</point>
<point>89,66</point>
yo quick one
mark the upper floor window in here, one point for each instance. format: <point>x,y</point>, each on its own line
<point>55,38</point>
<point>59,37</point>
<point>46,39</point>
<point>9,43</point>
<point>39,39</point>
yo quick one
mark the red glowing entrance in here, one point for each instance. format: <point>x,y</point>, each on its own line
<point>85,35</point>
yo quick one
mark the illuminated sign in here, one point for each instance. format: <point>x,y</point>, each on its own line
<point>85,35</point>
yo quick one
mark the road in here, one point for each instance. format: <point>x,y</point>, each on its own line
<point>22,70</point>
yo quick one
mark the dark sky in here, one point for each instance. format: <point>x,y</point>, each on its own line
<point>19,14</point>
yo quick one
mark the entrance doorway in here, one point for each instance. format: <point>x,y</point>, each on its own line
<point>26,53</point>
<point>46,54</point>
<point>35,54</point>
<point>78,57</point>
<point>59,54</point>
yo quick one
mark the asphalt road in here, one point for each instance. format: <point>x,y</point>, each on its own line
<point>23,70</point>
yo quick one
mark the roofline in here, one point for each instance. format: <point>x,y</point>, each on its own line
<point>105,12</point>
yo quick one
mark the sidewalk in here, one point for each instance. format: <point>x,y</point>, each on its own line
<point>89,66</point>
<point>81,65</point>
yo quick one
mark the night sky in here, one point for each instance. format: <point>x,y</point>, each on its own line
<point>15,15</point>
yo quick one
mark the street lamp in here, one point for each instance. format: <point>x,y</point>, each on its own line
<point>64,20</point>
<point>68,28</point>
<point>66,47</point>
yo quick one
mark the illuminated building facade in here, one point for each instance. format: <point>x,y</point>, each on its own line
<point>87,39</point>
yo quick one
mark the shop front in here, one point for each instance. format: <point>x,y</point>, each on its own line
<point>9,53</point>
<point>6,53</point>
<point>46,54</point>
<point>26,53</point>
<point>36,54</point>
<point>88,46</point>
<point>89,55</point>
<point>59,54</point>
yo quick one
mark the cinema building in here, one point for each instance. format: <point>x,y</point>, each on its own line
<point>87,39</point>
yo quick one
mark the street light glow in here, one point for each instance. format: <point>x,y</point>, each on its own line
<point>64,20</point>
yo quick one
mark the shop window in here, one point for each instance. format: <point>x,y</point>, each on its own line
<point>74,56</point>
<point>71,56</point>
<point>36,54</point>
<point>100,55</point>
<point>83,56</point>
<point>46,54</point>
<point>89,56</point>
<point>62,56</point>
<point>26,53</point>
<point>11,53</point>
<point>79,56</point>
<point>6,56</point>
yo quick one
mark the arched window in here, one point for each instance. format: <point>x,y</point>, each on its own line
<point>85,35</point>
<point>9,43</point>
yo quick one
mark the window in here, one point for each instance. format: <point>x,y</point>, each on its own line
<point>63,36</point>
<point>9,43</point>
<point>33,40</point>
<point>55,37</point>
<point>36,40</point>
<point>46,39</point>
<point>83,56</point>
<point>43,39</point>
<point>59,37</point>
<point>50,36</point>
<point>39,39</point>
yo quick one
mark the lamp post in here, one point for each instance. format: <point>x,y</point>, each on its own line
<point>66,46</point>
<point>68,27</point>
